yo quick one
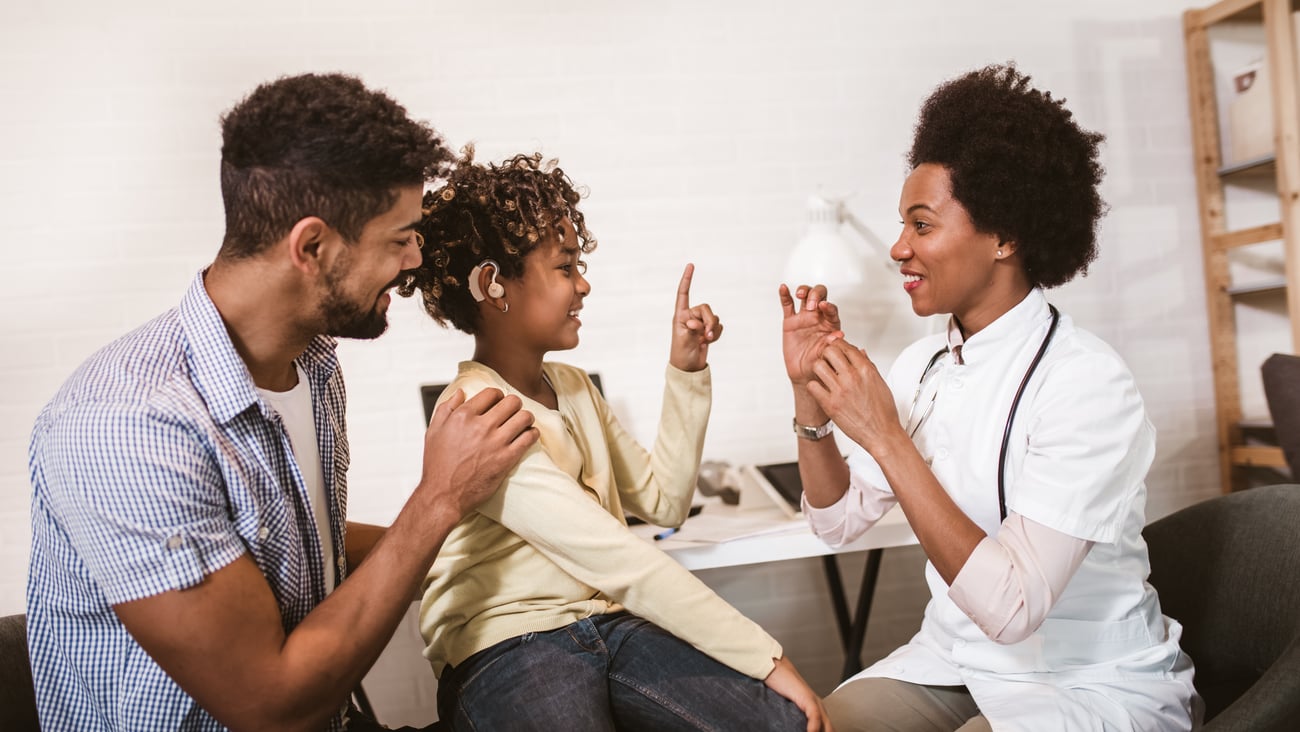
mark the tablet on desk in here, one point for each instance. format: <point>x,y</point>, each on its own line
<point>783,484</point>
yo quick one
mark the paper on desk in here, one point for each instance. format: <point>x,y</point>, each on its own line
<point>715,529</point>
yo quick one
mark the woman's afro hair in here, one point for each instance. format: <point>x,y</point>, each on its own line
<point>1020,165</point>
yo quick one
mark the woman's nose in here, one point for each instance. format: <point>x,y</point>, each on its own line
<point>900,251</point>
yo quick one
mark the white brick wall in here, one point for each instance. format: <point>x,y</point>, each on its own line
<point>699,127</point>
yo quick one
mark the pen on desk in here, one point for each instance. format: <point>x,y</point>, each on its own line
<point>666,533</point>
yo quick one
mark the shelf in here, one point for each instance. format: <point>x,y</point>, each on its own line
<point>1230,10</point>
<point>1278,285</point>
<point>1265,166</point>
<point>1258,456</point>
<point>1245,237</point>
<point>1245,441</point>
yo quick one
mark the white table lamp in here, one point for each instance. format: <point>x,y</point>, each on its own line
<point>825,256</point>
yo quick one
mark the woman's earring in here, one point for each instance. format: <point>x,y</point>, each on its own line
<point>999,252</point>
<point>505,308</point>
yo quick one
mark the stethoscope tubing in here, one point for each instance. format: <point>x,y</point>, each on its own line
<point>1011,415</point>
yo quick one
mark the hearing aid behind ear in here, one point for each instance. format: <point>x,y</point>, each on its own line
<point>495,289</point>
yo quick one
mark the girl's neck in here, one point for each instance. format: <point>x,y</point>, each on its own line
<point>520,371</point>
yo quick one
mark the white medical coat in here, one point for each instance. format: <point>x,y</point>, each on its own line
<point>1081,444</point>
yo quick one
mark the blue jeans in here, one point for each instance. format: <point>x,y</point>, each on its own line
<point>609,672</point>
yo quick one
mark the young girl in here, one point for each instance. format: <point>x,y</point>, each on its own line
<point>543,611</point>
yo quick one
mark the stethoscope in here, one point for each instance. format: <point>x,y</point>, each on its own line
<point>1011,416</point>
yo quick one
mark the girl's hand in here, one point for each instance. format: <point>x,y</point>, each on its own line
<point>805,332</point>
<point>786,681</point>
<point>694,328</point>
<point>849,388</point>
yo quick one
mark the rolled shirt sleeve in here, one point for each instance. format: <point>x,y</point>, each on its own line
<point>1010,582</point>
<point>168,531</point>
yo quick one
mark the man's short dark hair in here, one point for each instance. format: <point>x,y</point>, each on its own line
<point>317,145</point>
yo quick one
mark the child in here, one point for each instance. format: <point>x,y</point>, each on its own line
<point>543,611</point>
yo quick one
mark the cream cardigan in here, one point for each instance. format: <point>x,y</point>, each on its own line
<point>551,546</point>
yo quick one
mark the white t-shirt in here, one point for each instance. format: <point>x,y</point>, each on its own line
<point>295,410</point>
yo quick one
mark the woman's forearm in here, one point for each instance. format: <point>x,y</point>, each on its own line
<point>822,469</point>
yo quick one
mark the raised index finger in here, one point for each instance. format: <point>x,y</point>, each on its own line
<point>684,288</point>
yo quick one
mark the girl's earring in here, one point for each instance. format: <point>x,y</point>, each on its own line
<point>999,253</point>
<point>505,308</point>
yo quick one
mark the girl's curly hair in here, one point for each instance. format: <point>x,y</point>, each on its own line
<point>1020,165</point>
<point>498,212</point>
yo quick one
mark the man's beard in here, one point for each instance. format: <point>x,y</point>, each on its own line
<point>346,319</point>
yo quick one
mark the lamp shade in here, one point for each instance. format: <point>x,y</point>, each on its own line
<point>824,255</point>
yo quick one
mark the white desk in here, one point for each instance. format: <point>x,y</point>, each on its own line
<point>791,538</point>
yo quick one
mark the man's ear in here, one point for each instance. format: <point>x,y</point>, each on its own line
<point>306,241</point>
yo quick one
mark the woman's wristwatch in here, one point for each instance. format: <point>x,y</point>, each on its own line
<point>808,432</point>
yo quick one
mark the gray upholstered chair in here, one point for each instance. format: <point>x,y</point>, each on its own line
<point>1228,569</point>
<point>17,697</point>
<point>1281,376</point>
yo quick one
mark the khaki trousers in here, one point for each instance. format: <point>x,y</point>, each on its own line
<point>889,705</point>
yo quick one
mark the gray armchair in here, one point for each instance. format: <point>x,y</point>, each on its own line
<point>1281,375</point>
<point>1228,569</point>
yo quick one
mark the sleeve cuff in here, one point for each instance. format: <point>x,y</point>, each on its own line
<point>983,575</point>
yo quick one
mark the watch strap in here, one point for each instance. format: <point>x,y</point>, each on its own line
<point>809,432</point>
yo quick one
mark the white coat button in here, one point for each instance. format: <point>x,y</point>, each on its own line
<point>174,541</point>
<point>942,454</point>
<point>958,383</point>
<point>263,532</point>
<point>959,643</point>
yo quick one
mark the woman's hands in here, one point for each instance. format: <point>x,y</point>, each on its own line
<point>694,328</point>
<point>786,681</point>
<point>805,332</point>
<point>849,388</point>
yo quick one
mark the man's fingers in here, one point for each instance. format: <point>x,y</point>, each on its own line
<point>445,409</point>
<point>518,423</point>
<point>483,401</point>
<point>503,409</point>
<point>519,433</point>
<point>684,288</point>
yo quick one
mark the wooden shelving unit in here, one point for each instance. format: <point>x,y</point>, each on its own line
<point>1239,447</point>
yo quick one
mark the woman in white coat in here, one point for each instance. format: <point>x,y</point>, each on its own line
<point>1016,443</point>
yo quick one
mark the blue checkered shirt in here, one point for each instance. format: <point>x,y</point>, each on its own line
<point>156,464</point>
